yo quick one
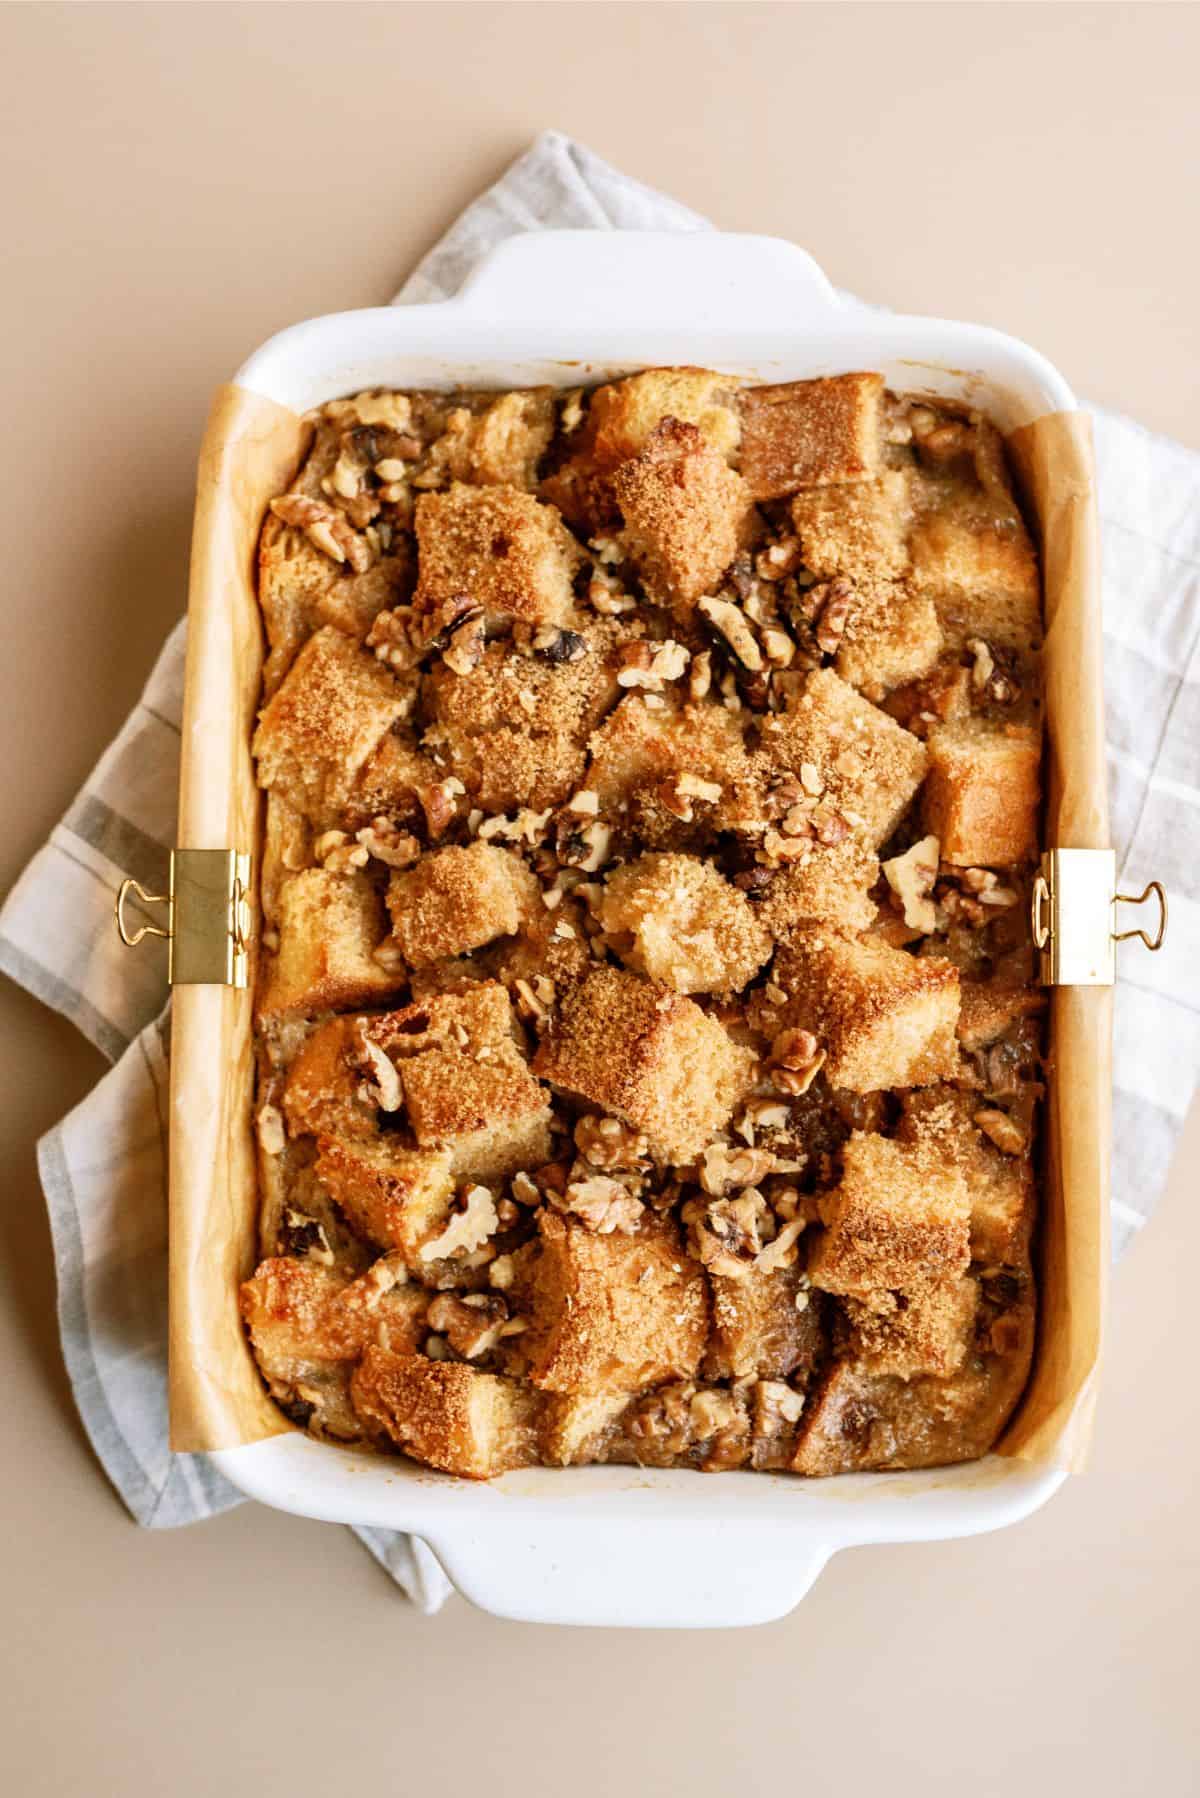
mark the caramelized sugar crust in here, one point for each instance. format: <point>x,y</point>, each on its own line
<point>648,1048</point>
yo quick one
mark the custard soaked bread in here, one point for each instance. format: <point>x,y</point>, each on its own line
<point>649,1057</point>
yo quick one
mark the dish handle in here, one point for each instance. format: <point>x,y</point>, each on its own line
<point>698,1572</point>
<point>651,280</point>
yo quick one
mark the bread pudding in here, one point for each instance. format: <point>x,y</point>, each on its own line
<point>648,1046</point>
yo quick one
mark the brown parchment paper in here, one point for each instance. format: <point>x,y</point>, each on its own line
<point>251,450</point>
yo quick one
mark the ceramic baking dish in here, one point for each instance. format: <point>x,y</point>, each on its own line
<point>608,1545</point>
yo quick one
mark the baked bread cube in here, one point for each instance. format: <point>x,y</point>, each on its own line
<point>620,418</point>
<point>689,927</point>
<point>333,710</point>
<point>390,783</point>
<point>329,927</point>
<point>859,530</point>
<point>576,1428</point>
<point>829,883</point>
<point>981,799</point>
<point>810,433</point>
<point>510,437</point>
<point>867,766</point>
<point>623,415</point>
<point>983,579</point>
<point>397,1197</point>
<point>323,1094</point>
<point>990,1008</point>
<point>653,1058</point>
<point>884,1018</point>
<point>455,900</point>
<point>899,1218</point>
<point>674,775</point>
<point>301,588</point>
<point>859,1420</point>
<point>928,1330</point>
<point>891,637</point>
<point>613,1313</point>
<point>1000,1187</point>
<point>686,514</point>
<point>506,552</point>
<point>308,1326</point>
<point>447,1414</point>
<point>765,1326</point>
<point>466,1085</point>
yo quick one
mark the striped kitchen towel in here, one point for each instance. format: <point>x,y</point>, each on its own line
<point>104,1167</point>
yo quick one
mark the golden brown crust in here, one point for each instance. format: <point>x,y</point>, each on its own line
<point>810,433</point>
<point>499,546</point>
<point>899,1217</point>
<point>686,514</point>
<point>447,1414</point>
<point>614,1313</point>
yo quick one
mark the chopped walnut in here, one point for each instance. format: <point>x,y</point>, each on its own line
<point>651,665</point>
<point>727,1234</point>
<point>468,1228</point>
<point>776,1407</point>
<point>438,804</point>
<point>465,645</point>
<point>608,1142</point>
<point>700,676</point>
<point>604,1205</point>
<point>334,850</point>
<point>269,1125</point>
<point>911,877</point>
<point>326,528</point>
<point>385,1089</point>
<point>733,626</point>
<point>1007,1132</point>
<point>796,1060</point>
<point>834,602</point>
<point>387,843</point>
<point>722,1167</point>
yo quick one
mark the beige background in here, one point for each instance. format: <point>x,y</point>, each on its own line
<point>182,181</point>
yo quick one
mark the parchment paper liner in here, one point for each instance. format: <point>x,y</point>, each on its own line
<point>217,1400</point>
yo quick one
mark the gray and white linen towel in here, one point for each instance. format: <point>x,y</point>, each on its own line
<point>104,1167</point>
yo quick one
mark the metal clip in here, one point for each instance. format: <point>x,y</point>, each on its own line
<point>1072,917</point>
<point>208,917</point>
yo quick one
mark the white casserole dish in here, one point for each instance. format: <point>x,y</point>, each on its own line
<point>607,1545</point>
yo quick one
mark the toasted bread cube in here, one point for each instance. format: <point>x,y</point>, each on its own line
<point>884,1018</point>
<point>389,784</point>
<point>859,1420</point>
<point>300,589</point>
<point>690,928</point>
<point>926,1331</point>
<point>832,884</point>
<point>566,686</point>
<point>506,551</point>
<point>456,900</point>
<point>868,765</point>
<point>321,1096</point>
<point>639,755</point>
<point>810,433</point>
<point>329,926</point>
<point>447,1414</point>
<point>510,767</point>
<point>334,708</point>
<point>891,637</point>
<point>765,1326</point>
<point>900,1217</point>
<point>613,1313</point>
<point>623,415</point>
<point>577,1427</point>
<point>982,575</point>
<point>510,438</point>
<point>467,1086</point>
<point>394,1196</point>
<point>1000,1187</point>
<point>982,796</point>
<point>307,1327</point>
<point>686,515</point>
<point>649,1055</point>
<point>860,530</point>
